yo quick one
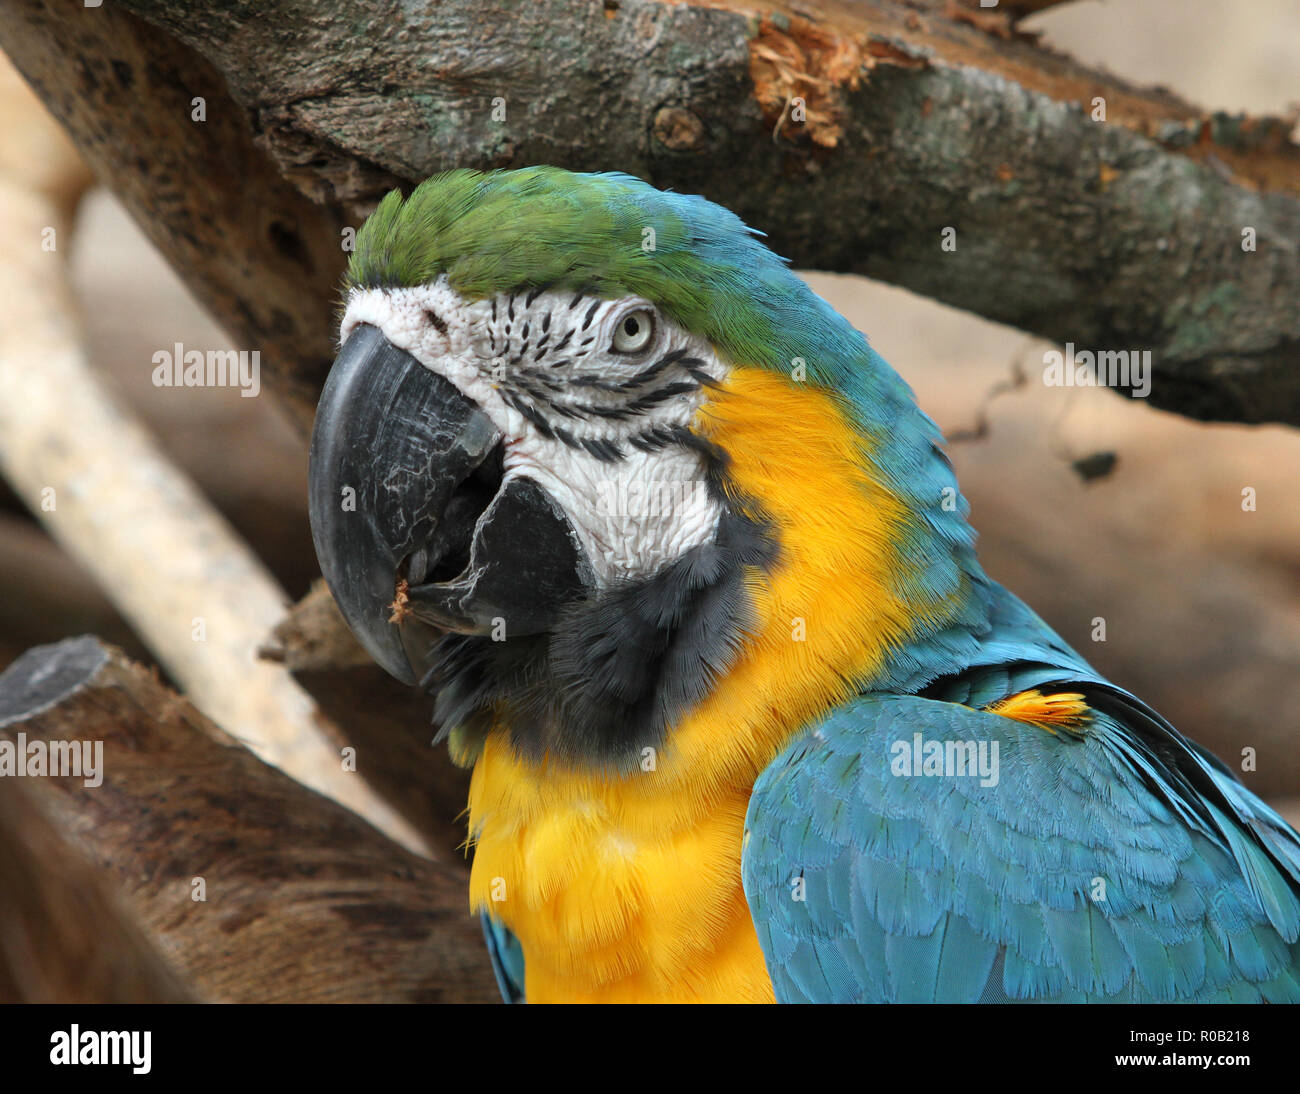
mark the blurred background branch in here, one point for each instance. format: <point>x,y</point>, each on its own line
<point>192,590</point>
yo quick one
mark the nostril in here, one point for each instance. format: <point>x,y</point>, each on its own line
<point>436,321</point>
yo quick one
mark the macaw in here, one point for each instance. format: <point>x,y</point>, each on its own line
<point>691,582</point>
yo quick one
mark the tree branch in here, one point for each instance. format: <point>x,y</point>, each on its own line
<point>192,589</point>
<point>1123,234</point>
<point>63,937</point>
<point>388,724</point>
<point>301,899</point>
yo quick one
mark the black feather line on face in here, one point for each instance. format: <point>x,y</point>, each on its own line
<point>619,669</point>
<point>595,383</point>
<point>553,386</point>
<point>650,372</point>
<point>645,402</point>
<point>522,381</point>
<point>529,412</point>
<point>606,451</point>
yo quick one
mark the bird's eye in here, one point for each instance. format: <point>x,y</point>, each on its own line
<point>634,331</point>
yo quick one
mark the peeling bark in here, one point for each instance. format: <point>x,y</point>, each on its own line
<point>1123,234</point>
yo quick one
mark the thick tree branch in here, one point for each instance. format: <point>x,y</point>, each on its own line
<point>1123,234</point>
<point>63,936</point>
<point>255,887</point>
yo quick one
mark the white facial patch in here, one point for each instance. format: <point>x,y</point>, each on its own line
<point>597,428</point>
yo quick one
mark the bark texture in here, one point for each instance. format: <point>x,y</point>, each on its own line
<point>64,938</point>
<point>302,900</point>
<point>853,133</point>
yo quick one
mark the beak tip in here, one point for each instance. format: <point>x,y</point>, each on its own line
<point>402,672</point>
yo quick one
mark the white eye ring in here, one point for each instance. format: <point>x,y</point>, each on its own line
<point>634,331</point>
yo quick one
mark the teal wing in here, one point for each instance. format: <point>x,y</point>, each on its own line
<point>1116,864</point>
<point>507,959</point>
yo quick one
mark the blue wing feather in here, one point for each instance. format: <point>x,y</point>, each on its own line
<point>1119,864</point>
<point>507,959</point>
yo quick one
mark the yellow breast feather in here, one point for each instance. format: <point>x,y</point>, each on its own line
<point>628,886</point>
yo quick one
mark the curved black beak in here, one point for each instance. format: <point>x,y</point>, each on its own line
<point>406,484</point>
<point>391,443</point>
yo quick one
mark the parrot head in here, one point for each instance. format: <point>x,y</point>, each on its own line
<point>578,433</point>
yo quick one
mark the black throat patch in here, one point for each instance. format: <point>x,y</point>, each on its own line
<point>619,668</point>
